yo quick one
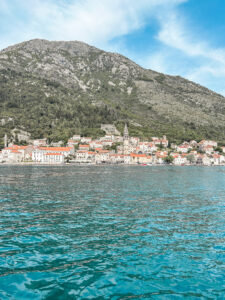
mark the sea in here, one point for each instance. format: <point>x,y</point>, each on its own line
<point>112,232</point>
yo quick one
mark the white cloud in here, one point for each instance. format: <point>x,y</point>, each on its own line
<point>101,22</point>
<point>93,21</point>
<point>174,34</point>
<point>182,52</point>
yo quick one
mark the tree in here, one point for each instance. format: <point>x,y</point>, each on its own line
<point>160,146</point>
<point>191,158</point>
<point>168,159</point>
<point>219,149</point>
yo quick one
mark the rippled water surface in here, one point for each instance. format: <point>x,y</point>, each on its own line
<point>112,232</point>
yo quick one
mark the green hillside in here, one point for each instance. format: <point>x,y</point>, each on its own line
<point>57,89</point>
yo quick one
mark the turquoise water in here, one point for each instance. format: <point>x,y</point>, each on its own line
<point>112,232</point>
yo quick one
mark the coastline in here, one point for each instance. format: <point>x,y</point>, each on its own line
<point>105,165</point>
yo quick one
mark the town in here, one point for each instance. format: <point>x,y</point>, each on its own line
<point>114,148</point>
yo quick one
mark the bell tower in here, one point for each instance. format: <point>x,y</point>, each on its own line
<point>126,142</point>
<point>5,141</point>
<point>125,133</point>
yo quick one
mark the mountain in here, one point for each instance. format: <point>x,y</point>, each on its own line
<point>56,89</point>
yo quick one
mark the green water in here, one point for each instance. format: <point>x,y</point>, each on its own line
<point>112,232</point>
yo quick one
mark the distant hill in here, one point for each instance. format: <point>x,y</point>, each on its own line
<point>56,89</point>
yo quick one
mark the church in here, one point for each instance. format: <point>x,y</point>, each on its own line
<point>126,141</point>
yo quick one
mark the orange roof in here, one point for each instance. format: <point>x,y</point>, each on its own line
<point>84,146</point>
<point>103,151</point>
<point>15,151</point>
<point>16,147</point>
<point>208,147</point>
<point>161,156</point>
<point>61,149</point>
<point>137,155</point>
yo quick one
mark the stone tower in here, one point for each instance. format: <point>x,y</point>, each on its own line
<point>5,141</point>
<point>126,142</point>
<point>125,133</point>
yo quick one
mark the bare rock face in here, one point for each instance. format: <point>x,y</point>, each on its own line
<point>20,135</point>
<point>57,81</point>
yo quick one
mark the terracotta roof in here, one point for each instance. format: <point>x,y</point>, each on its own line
<point>208,147</point>
<point>15,151</point>
<point>16,147</point>
<point>103,151</point>
<point>137,155</point>
<point>57,149</point>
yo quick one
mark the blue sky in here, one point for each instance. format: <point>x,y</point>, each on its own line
<point>177,37</point>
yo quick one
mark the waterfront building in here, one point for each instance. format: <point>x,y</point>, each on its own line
<point>180,159</point>
<point>53,158</point>
<point>39,154</point>
<point>140,158</point>
<point>102,156</point>
<point>17,153</point>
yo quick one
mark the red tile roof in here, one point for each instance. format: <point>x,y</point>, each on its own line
<point>15,151</point>
<point>57,149</point>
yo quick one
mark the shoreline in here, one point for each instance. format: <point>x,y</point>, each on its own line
<point>105,165</point>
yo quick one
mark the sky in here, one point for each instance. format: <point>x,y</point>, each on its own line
<point>176,37</point>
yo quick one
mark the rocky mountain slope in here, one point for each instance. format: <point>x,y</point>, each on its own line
<point>55,89</point>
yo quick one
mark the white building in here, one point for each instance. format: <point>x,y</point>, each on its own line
<point>38,154</point>
<point>183,148</point>
<point>204,143</point>
<point>53,158</point>
<point>180,160</point>
<point>17,153</point>
<point>102,157</point>
<point>86,140</point>
<point>40,142</point>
